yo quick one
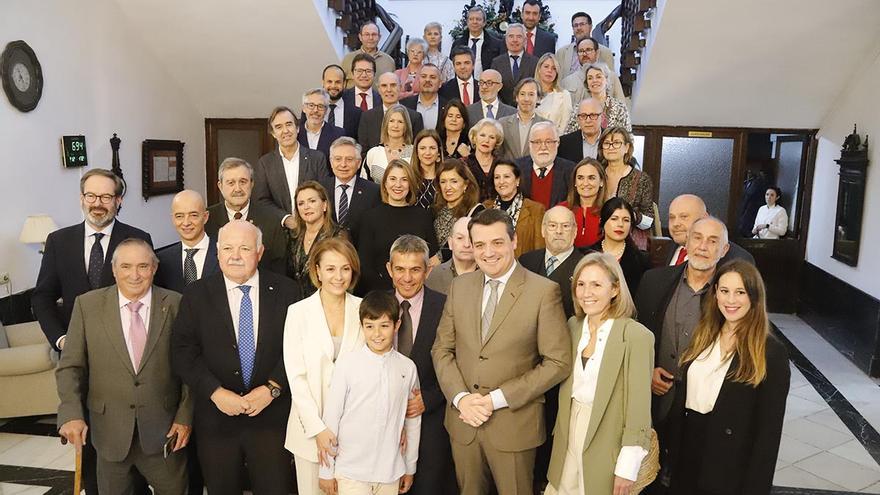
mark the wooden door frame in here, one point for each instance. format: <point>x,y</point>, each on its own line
<point>212,161</point>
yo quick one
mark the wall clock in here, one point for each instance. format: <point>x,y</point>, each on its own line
<point>22,75</point>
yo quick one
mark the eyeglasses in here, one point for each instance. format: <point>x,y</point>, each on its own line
<point>584,51</point>
<point>553,226</point>
<point>316,106</point>
<point>105,198</point>
<point>608,145</point>
<point>588,116</point>
<point>486,84</point>
<point>547,142</point>
<point>363,71</point>
<point>579,24</point>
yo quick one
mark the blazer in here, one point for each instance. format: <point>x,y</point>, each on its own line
<point>562,170</point>
<point>621,410</point>
<point>363,196</point>
<point>63,274</point>
<point>274,235</point>
<point>512,148</point>
<point>329,133</point>
<point>571,146</point>
<point>170,272</point>
<point>528,226</point>
<point>348,96</point>
<point>491,48</point>
<point>735,252</point>
<point>545,42</point>
<point>270,182</point>
<point>527,351</point>
<point>96,372</point>
<point>746,420</point>
<point>309,363</point>
<point>451,90</point>
<point>655,292</point>
<point>204,351</point>
<point>351,116</point>
<point>370,127</point>
<point>534,262</point>
<point>475,111</point>
<point>565,56</point>
<point>440,278</point>
<point>501,63</point>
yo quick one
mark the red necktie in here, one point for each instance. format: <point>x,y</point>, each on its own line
<point>530,45</point>
<point>465,97</point>
<point>682,254</point>
<point>364,102</point>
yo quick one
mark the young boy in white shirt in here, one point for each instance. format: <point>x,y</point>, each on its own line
<point>366,410</point>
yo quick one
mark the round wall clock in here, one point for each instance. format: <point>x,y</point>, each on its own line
<point>22,75</point>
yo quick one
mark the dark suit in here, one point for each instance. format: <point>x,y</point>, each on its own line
<point>571,146</point>
<point>274,235</point>
<point>204,354</point>
<point>562,170</point>
<point>545,42</point>
<point>475,111</point>
<point>501,63</point>
<point>534,262</point>
<point>329,133</point>
<point>491,48</point>
<point>348,96</point>
<point>351,117</point>
<point>362,197</point>
<point>270,183</point>
<point>170,272</point>
<point>452,91</point>
<point>735,252</point>
<point>370,128</point>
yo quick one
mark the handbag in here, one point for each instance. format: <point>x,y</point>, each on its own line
<point>651,463</point>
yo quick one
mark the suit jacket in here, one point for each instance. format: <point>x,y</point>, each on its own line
<point>309,363</point>
<point>274,235</point>
<point>562,170</point>
<point>349,97</point>
<point>362,197</point>
<point>534,262</point>
<point>475,111</point>
<point>96,371</point>
<point>654,294</point>
<point>527,351</point>
<point>512,148</point>
<point>451,90</point>
<point>329,133</point>
<point>204,351</point>
<point>351,117</point>
<point>492,47</point>
<point>170,272</point>
<point>571,146</point>
<point>440,278</point>
<point>746,420</point>
<point>735,252</point>
<point>370,127</point>
<point>501,63</point>
<point>545,42</point>
<point>270,182</point>
<point>621,410</point>
<point>567,53</point>
<point>63,274</point>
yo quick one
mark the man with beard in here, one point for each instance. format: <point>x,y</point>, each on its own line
<point>340,113</point>
<point>568,57</point>
<point>428,103</point>
<point>76,261</point>
<point>316,133</point>
<point>589,52</point>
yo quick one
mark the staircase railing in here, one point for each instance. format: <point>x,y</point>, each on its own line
<point>636,21</point>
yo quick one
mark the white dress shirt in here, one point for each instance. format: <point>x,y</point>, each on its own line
<point>337,191</point>
<point>234,295</point>
<point>357,98</point>
<point>478,56</point>
<point>230,213</point>
<point>90,240</point>
<point>675,256</point>
<point>462,90</point>
<point>366,410</point>
<point>560,258</point>
<point>125,316</point>
<point>199,256</point>
<point>519,60</point>
<point>495,107</point>
<point>291,172</point>
<point>313,137</point>
<point>705,377</point>
<point>338,113</point>
<point>416,303</point>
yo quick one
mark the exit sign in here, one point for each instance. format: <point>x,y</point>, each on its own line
<point>73,149</point>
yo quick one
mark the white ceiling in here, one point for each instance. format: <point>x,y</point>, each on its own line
<point>753,63</point>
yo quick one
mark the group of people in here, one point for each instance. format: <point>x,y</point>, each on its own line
<point>394,320</point>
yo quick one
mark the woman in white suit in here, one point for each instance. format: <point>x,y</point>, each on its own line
<point>319,330</point>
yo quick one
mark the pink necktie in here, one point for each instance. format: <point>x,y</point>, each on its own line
<point>465,97</point>
<point>137,333</point>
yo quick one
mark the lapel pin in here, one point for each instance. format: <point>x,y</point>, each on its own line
<point>271,288</point>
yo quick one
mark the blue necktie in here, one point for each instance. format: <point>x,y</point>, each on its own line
<point>96,261</point>
<point>474,47</point>
<point>246,344</point>
<point>489,112</point>
<point>515,67</point>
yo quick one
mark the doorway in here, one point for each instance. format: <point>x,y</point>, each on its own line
<point>247,139</point>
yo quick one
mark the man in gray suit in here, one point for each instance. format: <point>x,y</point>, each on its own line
<point>116,362</point>
<point>514,64</point>
<point>489,104</point>
<point>280,172</point>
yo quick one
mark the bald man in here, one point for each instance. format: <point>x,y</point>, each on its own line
<point>195,255</point>
<point>370,126</point>
<point>683,212</point>
<point>489,105</point>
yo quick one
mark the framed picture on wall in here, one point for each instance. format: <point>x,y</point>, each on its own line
<point>162,167</point>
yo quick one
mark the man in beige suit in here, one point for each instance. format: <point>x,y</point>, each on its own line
<point>116,362</point>
<point>501,344</point>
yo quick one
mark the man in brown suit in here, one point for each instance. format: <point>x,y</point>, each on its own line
<point>117,362</point>
<point>501,344</point>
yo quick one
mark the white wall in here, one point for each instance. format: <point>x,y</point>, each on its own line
<point>98,81</point>
<point>859,104</point>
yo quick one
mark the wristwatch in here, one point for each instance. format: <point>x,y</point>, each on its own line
<point>274,390</point>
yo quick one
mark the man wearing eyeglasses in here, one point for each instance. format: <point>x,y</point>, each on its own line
<point>568,57</point>
<point>545,176</point>
<point>363,95</point>
<point>76,261</point>
<point>316,133</point>
<point>369,37</point>
<point>584,142</point>
<point>588,53</point>
<point>489,105</point>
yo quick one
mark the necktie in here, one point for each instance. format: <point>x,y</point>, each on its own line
<point>237,216</point>
<point>682,254</point>
<point>96,261</point>
<point>515,69</point>
<point>364,102</point>
<point>465,97</point>
<point>190,274</point>
<point>331,117</point>
<point>489,312</point>
<point>474,42</point>
<point>530,44</point>
<point>551,265</point>
<point>489,112</point>
<point>405,336</point>
<point>542,172</point>
<point>246,343</point>
<point>343,205</point>
<point>137,334</point>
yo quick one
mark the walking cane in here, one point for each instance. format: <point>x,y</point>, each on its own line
<point>77,476</point>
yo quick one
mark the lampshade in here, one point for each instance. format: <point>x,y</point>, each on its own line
<point>36,229</point>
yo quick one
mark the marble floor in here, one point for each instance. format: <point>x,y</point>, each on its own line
<point>830,441</point>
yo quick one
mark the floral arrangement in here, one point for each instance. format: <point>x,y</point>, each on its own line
<point>498,17</point>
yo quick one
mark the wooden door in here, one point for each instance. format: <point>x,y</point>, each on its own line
<point>247,139</point>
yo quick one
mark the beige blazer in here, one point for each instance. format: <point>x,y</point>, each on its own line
<point>527,351</point>
<point>96,370</point>
<point>566,54</point>
<point>308,361</point>
<point>621,411</point>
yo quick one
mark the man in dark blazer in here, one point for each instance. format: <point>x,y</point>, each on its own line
<point>573,144</point>
<point>315,104</point>
<point>489,104</point>
<point>545,176</point>
<point>195,255</point>
<point>538,41</point>
<point>279,172</point>
<point>235,181</point>
<point>684,210</point>
<point>360,194</point>
<point>420,313</point>
<point>370,127</point>
<point>108,355</point>
<point>362,96</point>
<point>339,112</point>
<point>463,86</point>
<point>483,44</point>
<point>515,56</point>
<point>226,346</point>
